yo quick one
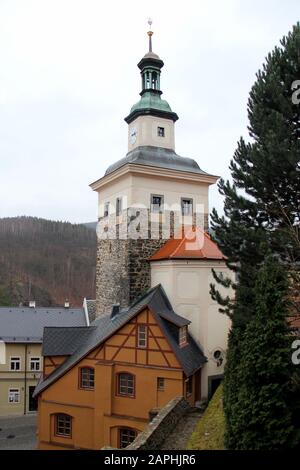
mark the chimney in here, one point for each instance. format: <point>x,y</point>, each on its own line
<point>115,310</point>
<point>32,303</point>
<point>67,304</point>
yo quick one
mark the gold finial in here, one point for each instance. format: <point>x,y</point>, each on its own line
<point>150,34</point>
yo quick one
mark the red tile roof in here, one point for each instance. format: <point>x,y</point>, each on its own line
<point>195,244</point>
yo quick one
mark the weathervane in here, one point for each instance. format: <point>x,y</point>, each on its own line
<point>150,33</point>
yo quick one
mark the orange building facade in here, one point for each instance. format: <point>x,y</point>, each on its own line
<point>124,365</point>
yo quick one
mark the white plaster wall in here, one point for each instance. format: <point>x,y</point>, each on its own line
<point>187,284</point>
<point>137,190</point>
<point>118,188</point>
<point>146,129</point>
<point>172,190</point>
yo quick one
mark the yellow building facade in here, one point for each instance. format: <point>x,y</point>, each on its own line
<point>105,397</point>
<point>21,361</point>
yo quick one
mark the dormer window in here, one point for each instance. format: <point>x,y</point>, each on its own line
<point>106,209</point>
<point>161,131</point>
<point>183,336</point>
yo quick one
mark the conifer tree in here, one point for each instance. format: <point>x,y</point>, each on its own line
<point>262,418</point>
<point>262,206</point>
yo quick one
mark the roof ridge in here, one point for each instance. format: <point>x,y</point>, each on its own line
<point>143,296</point>
<point>181,241</point>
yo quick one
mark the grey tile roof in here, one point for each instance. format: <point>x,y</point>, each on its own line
<point>63,341</point>
<point>26,325</point>
<point>190,357</point>
<point>157,157</point>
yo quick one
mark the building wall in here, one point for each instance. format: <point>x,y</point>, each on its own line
<point>21,380</point>
<point>136,190</point>
<point>123,269</point>
<point>99,413</point>
<point>146,132</point>
<point>187,284</point>
<point>51,363</point>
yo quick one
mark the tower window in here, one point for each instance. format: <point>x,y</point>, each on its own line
<point>156,203</point>
<point>147,80</point>
<point>119,206</point>
<point>106,209</point>
<point>154,80</point>
<point>187,206</point>
<point>183,336</point>
<point>161,131</point>
<point>142,336</point>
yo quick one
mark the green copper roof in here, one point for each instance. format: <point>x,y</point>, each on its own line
<point>150,100</point>
<point>151,104</point>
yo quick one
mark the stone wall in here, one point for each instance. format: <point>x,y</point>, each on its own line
<point>124,247</point>
<point>160,427</point>
<point>123,268</point>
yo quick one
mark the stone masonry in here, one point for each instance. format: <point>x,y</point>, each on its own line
<point>124,248</point>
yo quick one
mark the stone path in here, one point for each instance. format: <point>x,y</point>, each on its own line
<point>179,437</point>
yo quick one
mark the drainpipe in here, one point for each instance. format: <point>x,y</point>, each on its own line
<point>25,380</point>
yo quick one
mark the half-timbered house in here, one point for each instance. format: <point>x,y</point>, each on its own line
<point>102,382</point>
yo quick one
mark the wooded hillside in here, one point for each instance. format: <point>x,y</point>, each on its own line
<point>46,261</point>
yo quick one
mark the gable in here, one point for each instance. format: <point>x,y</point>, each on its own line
<point>122,347</point>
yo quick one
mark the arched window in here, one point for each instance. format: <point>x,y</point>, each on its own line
<point>86,377</point>
<point>126,384</point>
<point>147,80</point>
<point>63,425</point>
<point>154,81</point>
<point>126,437</point>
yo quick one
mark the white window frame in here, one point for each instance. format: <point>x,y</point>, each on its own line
<point>14,393</point>
<point>34,360</point>
<point>142,337</point>
<point>15,359</point>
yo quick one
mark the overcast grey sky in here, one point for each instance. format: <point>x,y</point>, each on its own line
<point>68,77</point>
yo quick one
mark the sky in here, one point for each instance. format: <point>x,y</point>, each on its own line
<point>68,77</point>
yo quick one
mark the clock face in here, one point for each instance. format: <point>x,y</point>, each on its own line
<point>133,135</point>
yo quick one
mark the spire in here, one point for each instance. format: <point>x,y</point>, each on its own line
<point>151,103</point>
<point>150,34</point>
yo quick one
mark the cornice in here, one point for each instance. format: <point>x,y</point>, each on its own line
<point>158,172</point>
